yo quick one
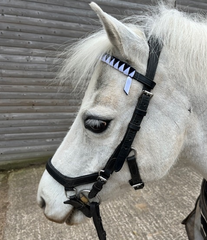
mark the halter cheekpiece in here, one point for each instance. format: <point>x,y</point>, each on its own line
<point>88,201</point>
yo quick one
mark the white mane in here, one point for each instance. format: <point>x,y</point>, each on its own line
<point>82,57</point>
<point>184,35</point>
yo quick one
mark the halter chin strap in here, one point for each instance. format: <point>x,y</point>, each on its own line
<point>86,202</point>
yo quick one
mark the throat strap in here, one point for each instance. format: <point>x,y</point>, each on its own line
<point>136,181</point>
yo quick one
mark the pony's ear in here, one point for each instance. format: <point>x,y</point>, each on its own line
<point>119,34</point>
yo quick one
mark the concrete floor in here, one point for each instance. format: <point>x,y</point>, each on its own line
<point>155,212</point>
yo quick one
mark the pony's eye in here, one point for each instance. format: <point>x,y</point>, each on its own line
<point>96,125</point>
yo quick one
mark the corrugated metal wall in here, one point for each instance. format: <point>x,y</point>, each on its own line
<point>35,112</point>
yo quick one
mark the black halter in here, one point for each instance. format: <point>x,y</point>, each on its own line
<point>81,201</point>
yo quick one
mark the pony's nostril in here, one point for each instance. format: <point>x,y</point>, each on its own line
<point>42,203</point>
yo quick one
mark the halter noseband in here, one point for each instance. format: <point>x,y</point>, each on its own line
<point>82,201</point>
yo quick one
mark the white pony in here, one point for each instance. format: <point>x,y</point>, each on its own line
<point>175,125</point>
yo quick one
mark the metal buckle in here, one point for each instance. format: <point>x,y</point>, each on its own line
<point>138,186</point>
<point>67,193</point>
<point>101,178</point>
<point>134,151</point>
<point>147,93</point>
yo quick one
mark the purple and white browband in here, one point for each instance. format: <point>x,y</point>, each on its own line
<point>122,67</point>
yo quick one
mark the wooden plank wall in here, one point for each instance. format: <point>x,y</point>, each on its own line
<point>35,112</point>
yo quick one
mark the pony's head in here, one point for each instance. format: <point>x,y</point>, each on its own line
<point>105,113</point>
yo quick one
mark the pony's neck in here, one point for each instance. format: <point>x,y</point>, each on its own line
<point>193,86</point>
<point>184,60</point>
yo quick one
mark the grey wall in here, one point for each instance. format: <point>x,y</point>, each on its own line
<point>35,112</point>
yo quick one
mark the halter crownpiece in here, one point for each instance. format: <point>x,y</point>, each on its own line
<point>86,203</point>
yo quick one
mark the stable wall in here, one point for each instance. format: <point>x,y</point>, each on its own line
<point>35,111</point>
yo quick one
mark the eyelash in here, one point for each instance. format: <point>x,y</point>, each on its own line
<point>96,125</point>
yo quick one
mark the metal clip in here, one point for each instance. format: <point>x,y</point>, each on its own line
<point>83,195</point>
<point>147,93</point>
